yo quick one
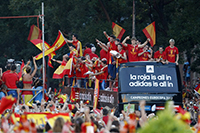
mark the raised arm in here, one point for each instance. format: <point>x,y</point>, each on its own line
<point>69,41</point>
<point>106,35</point>
<point>145,43</point>
<point>58,61</point>
<point>35,67</point>
<point>102,45</point>
<point>124,41</point>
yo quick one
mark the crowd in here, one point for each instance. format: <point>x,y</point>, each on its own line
<point>87,65</point>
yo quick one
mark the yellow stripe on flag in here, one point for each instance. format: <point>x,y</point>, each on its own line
<point>60,71</point>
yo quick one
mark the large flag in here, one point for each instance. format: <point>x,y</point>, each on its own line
<point>52,118</point>
<point>35,33</point>
<point>118,31</point>
<point>150,32</point>
<point>39,118</point>
<point>96,94</point>
<point>63,69</point>
<point>60,41</point>
<point>7,103</point>
<point>38,44</point>
<point>197,89</point>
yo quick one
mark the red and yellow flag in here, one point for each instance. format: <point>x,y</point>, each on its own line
<point>35,33</point>
<point>118,31</point>
<point>52,118</point>
<point>38,44</point>
<point>197,89</point>
<point>63,69</point>
<point>96,94</point>
<point>7,103</point>
<point>60,41</point>
<point>150,32</point>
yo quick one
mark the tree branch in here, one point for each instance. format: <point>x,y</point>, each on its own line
<point>105,11</point>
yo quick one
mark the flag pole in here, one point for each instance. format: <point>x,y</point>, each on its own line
<point>43,58</point>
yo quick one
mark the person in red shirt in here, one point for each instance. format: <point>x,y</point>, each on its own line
<point>102,74</point>
<point>133,48</point>
<point>111,44</point>
<point>122,54</point>
<point>92,55</point>
<point>76,43</point>
<point>11,79</point>
<point>172,54</point>
<point>160,55</point>
<point>87,49</point>
<point>145,54</point>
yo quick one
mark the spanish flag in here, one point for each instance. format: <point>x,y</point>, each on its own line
<point>63,69</point>
<point>96,94</point>
<point>60,41</point>
<point>52,118</point>
<point>35,33</point>
<point>38,44</point>
<point>150,32</point>
<point>39,118</point>
<point>118,31</point>
<point>7,103</point>
<point>197,89</point>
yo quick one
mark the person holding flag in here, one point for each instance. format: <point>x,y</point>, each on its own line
<point>133,48</point>
<point>76,43</point>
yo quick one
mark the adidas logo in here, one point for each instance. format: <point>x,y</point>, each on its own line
<point>149,68</point>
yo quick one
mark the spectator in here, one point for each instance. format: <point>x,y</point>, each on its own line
<point>27,81</point>
<point>11,79</point>
<point>3,91</point>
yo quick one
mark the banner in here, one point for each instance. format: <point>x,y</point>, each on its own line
<point>148,77</point>
<point>106,98</point>
<point>96,94</point>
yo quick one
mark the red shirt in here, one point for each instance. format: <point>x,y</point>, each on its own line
<point>103,54</point>
<point>158,55</point>
<point>87,51</point>
<point>104,75</point>
<point>120,60</point>
<point>75,43</point>
<point>132,52</point>
<point>10,80</point>
<point>171,53</point>
<point>92,55</point>
<point>112,45</point>
<point>144,56</point>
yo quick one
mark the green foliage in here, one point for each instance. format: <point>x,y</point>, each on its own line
<point>166,123</point>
